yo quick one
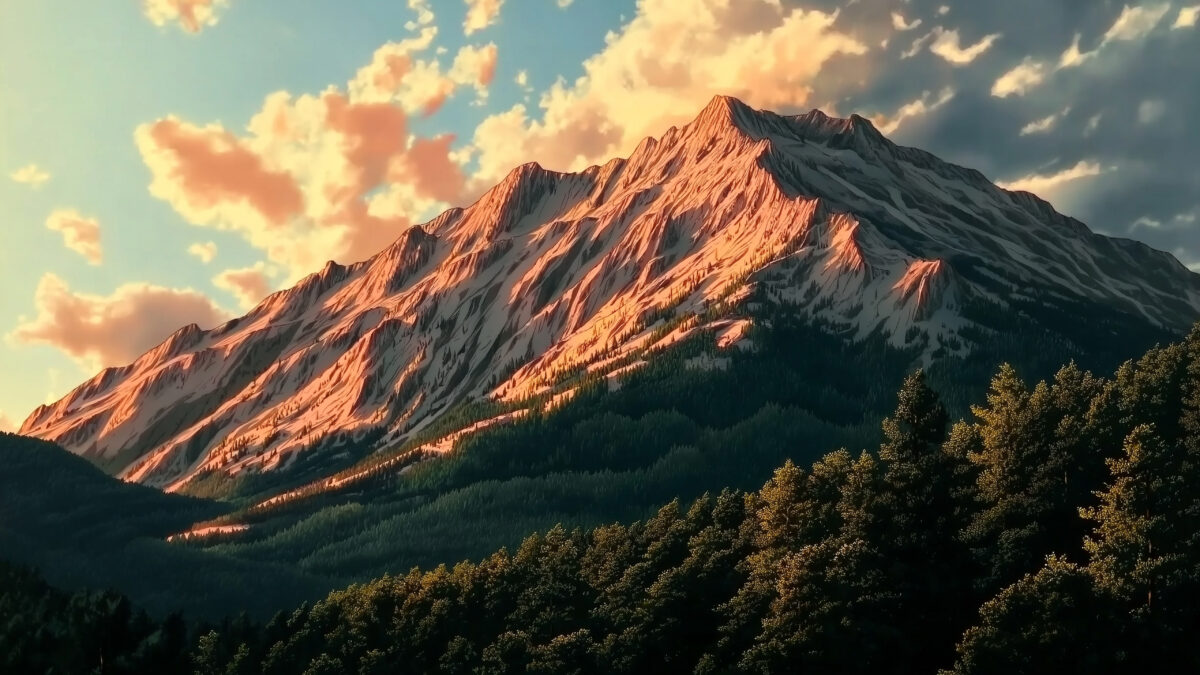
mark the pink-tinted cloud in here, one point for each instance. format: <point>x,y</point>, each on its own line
<point>248,284</point>
<point>205,171</point>
<point>111,330</point>
<point>80,234</point>
<point>191,15</point>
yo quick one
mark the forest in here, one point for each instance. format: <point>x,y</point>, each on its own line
<point>1053,528</point>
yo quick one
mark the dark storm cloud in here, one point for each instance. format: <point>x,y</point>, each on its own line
<point>1143,93</point>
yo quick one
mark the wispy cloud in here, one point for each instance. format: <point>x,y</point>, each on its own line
<point>31,175</point>
<point>80,234</point>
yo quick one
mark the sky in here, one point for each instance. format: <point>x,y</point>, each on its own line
<point>164,162</point>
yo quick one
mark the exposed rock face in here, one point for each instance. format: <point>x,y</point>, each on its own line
<point>549,272</point>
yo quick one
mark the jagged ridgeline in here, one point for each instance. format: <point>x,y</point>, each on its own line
<point>720,226</point>
<point>1055,529</point>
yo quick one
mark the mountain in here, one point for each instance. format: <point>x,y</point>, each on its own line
<point>551,275</point>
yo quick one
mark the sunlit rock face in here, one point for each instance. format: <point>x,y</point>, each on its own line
<point>550,272</point>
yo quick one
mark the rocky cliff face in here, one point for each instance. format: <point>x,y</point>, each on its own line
<point>551,272</point>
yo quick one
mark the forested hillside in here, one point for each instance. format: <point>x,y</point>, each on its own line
<point>84,529</point>
<point>1055,530</point>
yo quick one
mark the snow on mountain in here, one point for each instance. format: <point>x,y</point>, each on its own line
<point>550,272</point>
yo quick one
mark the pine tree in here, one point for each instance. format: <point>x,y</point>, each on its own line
<point>1145,548</point>
<point>1052,621</point>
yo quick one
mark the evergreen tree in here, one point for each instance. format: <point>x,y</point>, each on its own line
<point>1145,548</point>
<point>1052,621</point>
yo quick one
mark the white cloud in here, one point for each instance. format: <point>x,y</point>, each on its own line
<point>1044,124</point>
<point>659,70</point>
<point>206,251</point>
<point>900,24</point>
<point>1093,124</point>
<point>8,424</point>
<point>1040,184</point>
<point>946,45</point>
<point>1188,16</point>
<point>80,234</point>
<point>1134,23</point>
<point>31,175</point>
<point>928,102</point>
<point>191,15</point>
<point>481,14</point>
<point>1016,82</point>
<point>563,4</point>
<point>111,330</point>
<point>424,14</point>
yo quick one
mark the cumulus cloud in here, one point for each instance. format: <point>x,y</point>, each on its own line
<point>481,14</point>
<point>1016,82</point>
<point>80,234</point>
<point>1188,16</point>
<point>31,175</point>
<point>191,15</point>
<point>206,251</point>
<point>659,70</point>
<point>1043,184</point>
<point>335,175</point>
<point>99,331</point>
<point>929,101</point>
<point>8,424</point>
<point>248,285</point>
<point>475,66</point>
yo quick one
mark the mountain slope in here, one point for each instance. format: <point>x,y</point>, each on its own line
<point>550,274</point>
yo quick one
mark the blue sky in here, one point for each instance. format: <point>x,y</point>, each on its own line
<point>123,141</point>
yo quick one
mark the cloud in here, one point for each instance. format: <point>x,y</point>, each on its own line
<point>191,15</point>
<point>212,177</point>
<point>206,251</point>
<point>80,234</point>
<point>248,285</point>
<point>31,175</point>
<point>1151,111</point>
<point>1045,124</point>
<point>928,102</point>
<point>424,14</point>
<point>1134,23</point>
<point>659,70</point>
<point>99,331</point>
<point>481,14</point>
<point>337,174</point>
<point>1025,76</point>
<point>475,66</point>
<point>563,4</point>
<point>946,45</point>
<point>1188,16</point>
<point>8,424</point>
<point>1041,184</point>
<point>900,24</point>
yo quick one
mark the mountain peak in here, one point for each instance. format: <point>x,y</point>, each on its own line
<point>550,274</point>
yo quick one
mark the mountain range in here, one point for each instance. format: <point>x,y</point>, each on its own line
<point>551,279</point>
